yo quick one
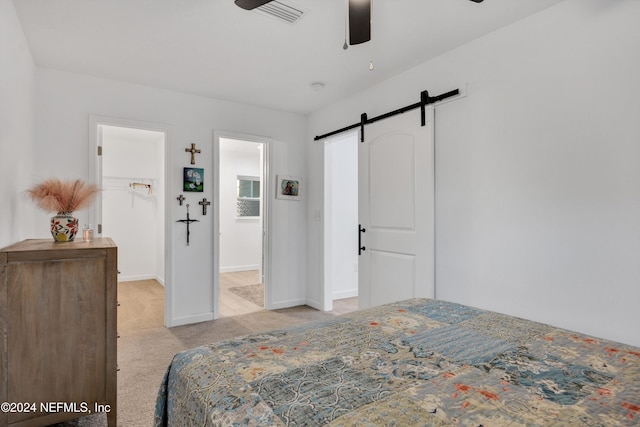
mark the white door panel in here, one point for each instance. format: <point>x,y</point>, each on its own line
<point>391,169</point>
<point>387,269</point>
<point>396,170</point>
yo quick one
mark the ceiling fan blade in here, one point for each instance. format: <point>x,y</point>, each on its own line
<point>251,4</point>
<point>359,21</point>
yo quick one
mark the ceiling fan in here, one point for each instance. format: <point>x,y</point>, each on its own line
<point>359,17</point>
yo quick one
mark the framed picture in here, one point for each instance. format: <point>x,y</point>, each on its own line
<point>193,179</point>
<point>289,187</point>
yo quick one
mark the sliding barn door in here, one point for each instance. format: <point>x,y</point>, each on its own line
<point>395,210</point>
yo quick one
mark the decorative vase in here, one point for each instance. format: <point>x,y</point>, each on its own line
<point>64,227</point>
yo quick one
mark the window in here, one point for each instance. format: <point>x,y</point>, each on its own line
<point>248,204</point>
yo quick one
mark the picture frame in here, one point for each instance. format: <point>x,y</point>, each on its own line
<point>193,180</point>
<point>289,187</point>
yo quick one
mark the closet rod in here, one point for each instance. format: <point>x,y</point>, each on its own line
<point>425,100</point>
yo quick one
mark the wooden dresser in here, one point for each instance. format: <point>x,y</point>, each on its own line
<point>57,331</point>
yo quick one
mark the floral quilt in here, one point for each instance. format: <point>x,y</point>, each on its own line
<point>418,362</point>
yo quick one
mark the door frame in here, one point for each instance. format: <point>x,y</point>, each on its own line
<point>95,176</point>
<point>265,208</point>
<point>327,230</point>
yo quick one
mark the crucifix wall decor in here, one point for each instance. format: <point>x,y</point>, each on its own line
<point>180,199</point>
<point>204,203</point>
<point>188,221</point>
<point>193,152</point>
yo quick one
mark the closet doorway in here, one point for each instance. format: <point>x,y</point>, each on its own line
<point>341,222</point>
<point>242,224</point>
<point>131,175</point>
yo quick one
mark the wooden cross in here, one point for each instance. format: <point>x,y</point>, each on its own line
<point>193,152</point>
<point>204,203</point>
<point>180,199</point>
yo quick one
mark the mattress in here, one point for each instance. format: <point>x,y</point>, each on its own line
<point>410,363</point>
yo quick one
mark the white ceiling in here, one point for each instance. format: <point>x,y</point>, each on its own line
<point>215,49</point>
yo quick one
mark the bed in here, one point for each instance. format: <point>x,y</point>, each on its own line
<point>418,362</point>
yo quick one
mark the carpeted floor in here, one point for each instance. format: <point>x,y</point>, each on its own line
<point>141,305</point>
<point>143,355</point>
<point>146,348</point>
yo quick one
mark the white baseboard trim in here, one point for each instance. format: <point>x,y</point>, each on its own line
<point>239,268</point>
<point>133,278</point>
<point>187,320</point>
<point>350,293</point>
<point>287,304</point>
<point>314,304</point>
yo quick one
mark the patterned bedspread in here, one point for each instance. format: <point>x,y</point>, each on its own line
<point>413,363</point>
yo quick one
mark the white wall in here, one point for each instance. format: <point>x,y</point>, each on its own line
<point>17,119</point>
<point>132,216</point>
<point>64,103</point>
<point>538,184</point>
<point>341,215</point>
<point>240,238</point>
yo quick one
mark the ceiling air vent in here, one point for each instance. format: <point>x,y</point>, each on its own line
<point>280,11</point>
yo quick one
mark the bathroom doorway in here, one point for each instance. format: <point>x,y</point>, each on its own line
<point>242,225</point>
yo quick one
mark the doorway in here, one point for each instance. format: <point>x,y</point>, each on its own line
<point>241,225</point>
<point>341,222</point>
<point>130,170</point>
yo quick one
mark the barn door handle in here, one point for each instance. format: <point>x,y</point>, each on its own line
<point>360,231</point>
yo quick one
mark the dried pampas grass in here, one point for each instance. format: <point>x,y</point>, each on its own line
<point>54,195</point>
